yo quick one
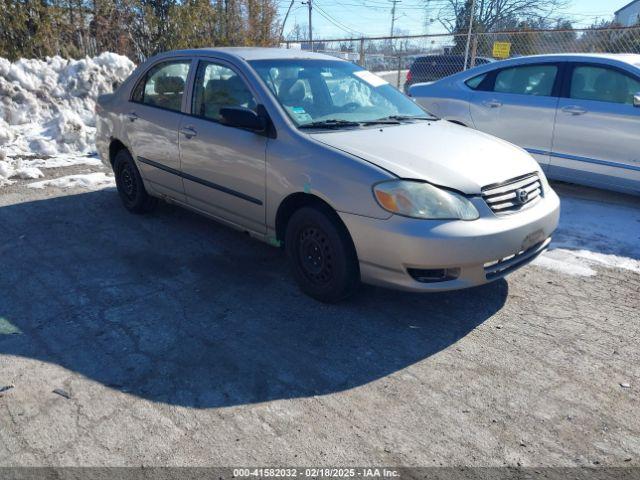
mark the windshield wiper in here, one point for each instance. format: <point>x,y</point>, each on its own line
<point>331,123</point>
<point>381,121</point>
<point>408,117</point>
<point>338,123</point>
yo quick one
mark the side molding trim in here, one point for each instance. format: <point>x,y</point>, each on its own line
<point>201,181</point>
<point>584,159</point>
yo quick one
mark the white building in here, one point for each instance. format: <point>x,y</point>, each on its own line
<point>629,14</point>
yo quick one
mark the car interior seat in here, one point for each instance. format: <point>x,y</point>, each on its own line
<point>168,92</point>
<point>611,88</point>
<point>221,93</point>
<point>291,92</point>
<point>579,87</point>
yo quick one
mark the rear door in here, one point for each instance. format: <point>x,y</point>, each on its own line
<point>152,122</point>
<point>597,134</point>
<point>519,105</point>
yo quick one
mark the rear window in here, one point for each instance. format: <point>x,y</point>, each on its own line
<point>475,82</point>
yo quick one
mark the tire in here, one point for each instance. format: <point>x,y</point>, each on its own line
<point>321,255</point>
<point>130,186</point>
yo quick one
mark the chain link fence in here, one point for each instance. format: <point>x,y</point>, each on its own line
<point>422,58</point>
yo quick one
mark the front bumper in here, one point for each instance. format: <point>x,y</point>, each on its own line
<point>479,251</point>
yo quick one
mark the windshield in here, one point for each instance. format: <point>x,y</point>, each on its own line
<point>333,92</point>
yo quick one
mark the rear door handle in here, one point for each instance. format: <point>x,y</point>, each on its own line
<point>132,116</point>
<point>492,103</point>
<point>574,110</point>
<point>188,132</point>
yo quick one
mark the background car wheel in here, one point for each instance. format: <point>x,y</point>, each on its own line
<point>321,254</point>
<point>130,187</point>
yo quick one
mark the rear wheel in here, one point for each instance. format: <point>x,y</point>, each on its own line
<point>129,183</point>
<point>321,254</point>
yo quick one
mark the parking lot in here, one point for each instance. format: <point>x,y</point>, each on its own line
<point>168,339</point>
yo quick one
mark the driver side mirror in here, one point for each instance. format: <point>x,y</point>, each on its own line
<point>636,100</point>
<point>241,117</point>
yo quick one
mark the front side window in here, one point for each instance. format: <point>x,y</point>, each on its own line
<point>527,80</point>
<point>163,85</point>
<point>325,90</point>
<point>603,84</point>
<point>219,87</point>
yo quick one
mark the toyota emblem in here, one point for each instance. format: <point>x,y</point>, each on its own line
<point>522,196</point>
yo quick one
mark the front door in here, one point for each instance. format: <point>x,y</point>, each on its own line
<point>519,104</point>
<point>152,122</point>
<point>597,134</point>
<point>223,167</point>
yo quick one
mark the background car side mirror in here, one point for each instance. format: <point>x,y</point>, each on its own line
<point>243,118</point>
<point>636,100</point>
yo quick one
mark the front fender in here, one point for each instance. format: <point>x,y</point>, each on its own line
<point>300,164</point>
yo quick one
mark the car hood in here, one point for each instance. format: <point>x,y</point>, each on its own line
<point>439,152</point>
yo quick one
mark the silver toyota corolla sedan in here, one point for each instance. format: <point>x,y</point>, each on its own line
<point>578,115</point>
<point>355,180</point>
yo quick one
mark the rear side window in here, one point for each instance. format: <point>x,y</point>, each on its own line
<point>475,82</point>
<point>163,85</point>
<point>603,84</point>
<point>219,87</point>
<point>527,80</point>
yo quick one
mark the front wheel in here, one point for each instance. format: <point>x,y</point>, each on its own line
<point>129,183</point>
<point>321,254</point>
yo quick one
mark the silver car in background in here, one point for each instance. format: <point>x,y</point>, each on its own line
<point>316,154</point>
<point>578,115</point>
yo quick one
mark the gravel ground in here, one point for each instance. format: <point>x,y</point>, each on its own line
<point>168,339</point>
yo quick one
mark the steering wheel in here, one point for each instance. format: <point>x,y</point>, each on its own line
<point>350,107</point>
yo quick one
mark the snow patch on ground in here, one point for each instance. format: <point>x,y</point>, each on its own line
<point>564,261</point>
<point>91,181</point>
<point>594,233</point>
<point>63,161</point>
<point>47,110</point>
<point>17,169</point>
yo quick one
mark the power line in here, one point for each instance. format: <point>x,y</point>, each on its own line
<point>336,22</point>
<point>333,11</point>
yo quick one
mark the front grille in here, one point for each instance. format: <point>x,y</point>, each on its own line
<point>513,195</point>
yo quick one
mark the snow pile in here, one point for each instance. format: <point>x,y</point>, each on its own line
<point>47,110</point>
<point>593,232</point>
<point>18,170</point>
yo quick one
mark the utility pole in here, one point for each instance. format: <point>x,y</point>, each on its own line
<point>427,20</point>
<point>285,19</point>
<point>393,15</point>
<point>310,27</point>
<point>466,50</point>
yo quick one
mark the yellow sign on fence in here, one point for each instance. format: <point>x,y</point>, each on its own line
<point>501,49</point>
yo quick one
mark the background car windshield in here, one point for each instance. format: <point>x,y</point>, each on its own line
<point>318,90</point>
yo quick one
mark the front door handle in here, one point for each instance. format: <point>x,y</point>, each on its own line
<point>574,110</point>
<point>132,116</point>
<point>492,103</point>
<point>188,132</point>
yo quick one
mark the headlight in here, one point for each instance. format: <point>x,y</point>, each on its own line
<point>423,200</point>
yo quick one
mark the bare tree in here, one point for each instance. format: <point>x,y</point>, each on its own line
<point>492,15</point>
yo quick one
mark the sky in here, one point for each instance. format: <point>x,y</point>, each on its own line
<point>356,18</point>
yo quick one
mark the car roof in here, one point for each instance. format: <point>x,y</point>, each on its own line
<point>629,58</point>
<point>254,53</point>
